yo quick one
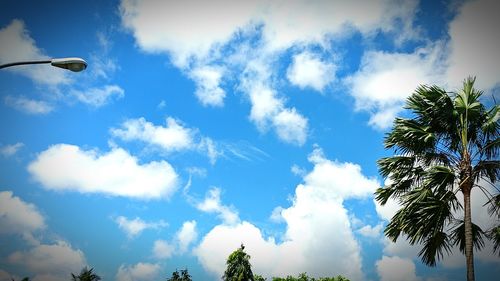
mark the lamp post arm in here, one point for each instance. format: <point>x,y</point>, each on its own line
<point>24,62</point>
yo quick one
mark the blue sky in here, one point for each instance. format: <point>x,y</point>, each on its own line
<point>201,125</point>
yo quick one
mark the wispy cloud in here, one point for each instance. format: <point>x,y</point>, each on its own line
<point>29,106</point>
<point>97,97</point>
<point>212,204</point>
<point>134,227</point>
<point>16,44</point>
<point>10,149</point>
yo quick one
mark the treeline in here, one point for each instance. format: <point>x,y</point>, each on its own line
<point>238,269</point>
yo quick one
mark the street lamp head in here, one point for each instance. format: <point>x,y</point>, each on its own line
<point>73,64</point>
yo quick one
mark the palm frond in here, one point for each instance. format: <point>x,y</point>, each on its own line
<point>434,248</point>
<point>410,137</point>
<point>458,236</point>
<point>494,235</point>
<point>489,169</point>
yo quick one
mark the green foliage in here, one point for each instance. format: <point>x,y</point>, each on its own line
<point>238,266</point>
<point>85,275</point>
<point>258,277</point>
<point>183,276</point>
<point>449,144</point>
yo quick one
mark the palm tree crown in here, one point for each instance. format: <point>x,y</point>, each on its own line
<point>449,145</point>
<point>85,275</point>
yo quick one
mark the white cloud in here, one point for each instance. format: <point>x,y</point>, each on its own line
<point>50,261</point>
<point>308,70</point>
<point>276,215</point>
<point>298,171</point>
<point>385,80</point>
<point>390,208</point>
<point>265,105</point>
<point>134,227</point>
<point>67,167</point>
<point>370,231</point>
<point>16,45</point>
<point>474,44</point>
<point>10,149</point>
<point>17,216</point>
<point>301,22</point>
<point>317,214</point>
<point>138,272</point>
<point>212,204</point>
<point>291,126</point>
<point>186,235</point>
<point>268,110</point>
<point>211,149</point>
<point>162,249</point>
<point>208,90</point>
<point>97,97</point>
<point>28,105</point>
<point>159,26</point>
<point>172,137</point>
<point>396,269</point>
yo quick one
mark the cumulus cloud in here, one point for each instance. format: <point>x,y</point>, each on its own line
<point>212,204</point>
<point>16,44</point>
<point>474,44</point>
<point>10,149</point>
<point>396,269</point>
<point>308,70</point>
<point>163,249</point>
<point>370,231</point>
<point>208,90</point>
<point>18,216</point>
<point>97,97</point>
<point>317,214</point>
<point>385,80</point>
<point>67,167</point>
<point>159,26</point>
<point>186,235</point>
<point>173,137</point>
<point>138,272</point>
<point>291,126</point>
<point>29,106</point>
<point>134,227</point>
<point>50,261</point>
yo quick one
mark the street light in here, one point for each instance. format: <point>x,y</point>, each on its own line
<point>73,64</point>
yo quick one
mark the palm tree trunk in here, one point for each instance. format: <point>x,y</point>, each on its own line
<point>469,254</point>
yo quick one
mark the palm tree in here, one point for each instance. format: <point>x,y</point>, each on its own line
<point>85,275</point>
<point>238,266</point>
<point>448,146</point>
